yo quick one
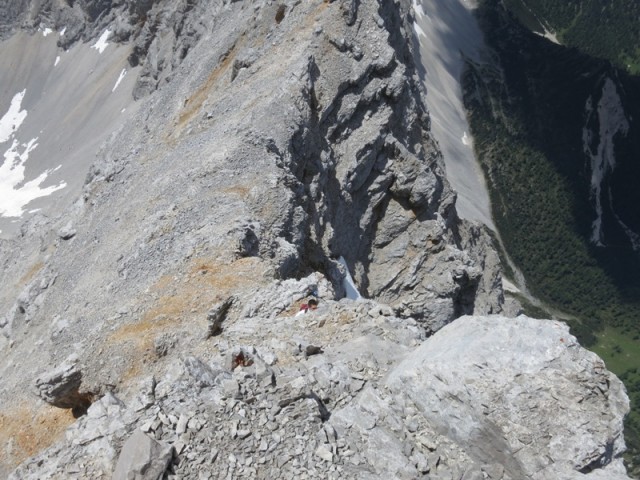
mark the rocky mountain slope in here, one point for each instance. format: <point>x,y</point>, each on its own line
<point>442,61</point>
<point>557,133</point>
<point>268,152</point>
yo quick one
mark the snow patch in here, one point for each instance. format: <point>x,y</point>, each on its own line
<point>466,139</point>
<point>419,31</point>
<point>548,35</point>
<point>122,74</point>
<point>14,117</point>
<point>102,43</point>
<point>46,31</point>
<point>551,36</point>
<point>612,120</point>
<point>63,31</point>
<point>14,194</point>
<point>55,64</point>
<point>348,284</point>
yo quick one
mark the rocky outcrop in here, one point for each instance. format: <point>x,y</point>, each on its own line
<point>10,11</point>
<point>61,387</point>
<point>142,458</point>
<point>216,316</point>
<point>365,176</point>
<point>485,397</point>
<point>496,385</point>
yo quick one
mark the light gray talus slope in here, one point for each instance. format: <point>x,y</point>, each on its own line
<point>448,36</point>
<point>268,139</point>
<point>56,106</point>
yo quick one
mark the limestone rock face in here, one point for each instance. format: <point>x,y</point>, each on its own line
<point>485,397</point>
<point>519,391</point>
<point>492,397</point>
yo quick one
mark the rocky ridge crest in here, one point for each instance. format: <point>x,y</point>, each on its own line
<point>259,157</point>
<point>379,402</point>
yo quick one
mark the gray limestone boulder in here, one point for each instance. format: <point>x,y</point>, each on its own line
<point>67,232</point>
<point>142,458</point>
<point>521,392</point>
<point>203,374</point>
<point>61,387</point>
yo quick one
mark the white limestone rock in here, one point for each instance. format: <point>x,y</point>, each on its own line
<point>521,392</point>
<point>142,458</point>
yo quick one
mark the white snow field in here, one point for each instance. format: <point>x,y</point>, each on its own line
<point>447,33</point>
<point>56,109</point>
<point>15,193</point>
<point>14,117</point>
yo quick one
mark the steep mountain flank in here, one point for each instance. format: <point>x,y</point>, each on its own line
<point>361,177</point>
<point>275,151</point>
<point>447,37</point>
<point>557,133</point>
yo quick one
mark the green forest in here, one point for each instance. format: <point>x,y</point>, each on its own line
<point>526,113</point>
<point>617,23</point>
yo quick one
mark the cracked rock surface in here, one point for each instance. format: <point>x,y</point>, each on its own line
<point>271,144</point>
<point>378,402</point>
